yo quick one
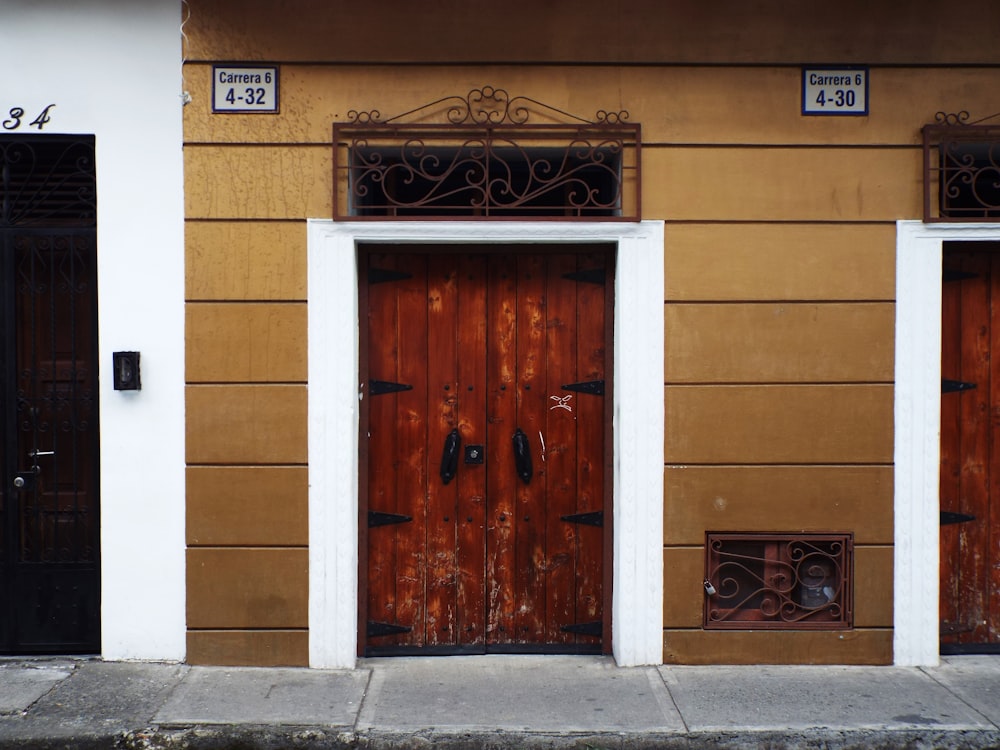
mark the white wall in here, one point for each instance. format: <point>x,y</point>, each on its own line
<point>113,69</point>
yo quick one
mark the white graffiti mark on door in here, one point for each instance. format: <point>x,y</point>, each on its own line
<point>562,402</point>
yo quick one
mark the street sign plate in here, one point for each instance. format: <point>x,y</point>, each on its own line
<point>834,91</point>
<point>245,89</point>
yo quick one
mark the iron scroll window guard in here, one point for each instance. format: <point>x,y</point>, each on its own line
<point>961,168</point>
<point>779,581</point>
<point>486,155</point>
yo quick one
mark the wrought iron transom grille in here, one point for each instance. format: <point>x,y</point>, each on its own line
<point>779,581</point>
<point>46,181</point>
<point>492,157</point>
<point>961,169</point>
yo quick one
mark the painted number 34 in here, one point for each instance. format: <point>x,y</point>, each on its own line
<point>16,117</point>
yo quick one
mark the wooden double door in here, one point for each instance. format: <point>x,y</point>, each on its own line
<point>485,449</point>
<point>970,448</point>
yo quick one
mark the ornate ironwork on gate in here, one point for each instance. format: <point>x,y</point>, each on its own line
<point>49,550</point>
<point>487,155</point>
<point>46,182</point>
<point>961,168</point>
<point>778,581</point>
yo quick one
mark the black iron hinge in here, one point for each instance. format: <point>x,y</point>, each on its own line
<point>589,275</point>
<point>595,518</point>
<point>377,518</point>
<point>953,274</point>
<point>593,387</point>
<point>376,629</point>
<point>949,517</point>
<point>595,628</point>
<point>382,275</point>
<point>380,387</point>
<point>955,386</point>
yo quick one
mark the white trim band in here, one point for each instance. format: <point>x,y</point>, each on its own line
<point>916,577</point>
<point>637,597</point>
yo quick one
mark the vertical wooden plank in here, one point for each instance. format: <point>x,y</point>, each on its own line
<point>397,348</point>
<point>411,458</point>
<point>590,432</point>
<point>442,416</point>
<point>975,437</point>
<point>532,560</point>
<point>992,520</point>
<point>559,457</point>
<point>502,414</point>
<point>950,472</point>
<point>472,396</point>
<point>382,496</point>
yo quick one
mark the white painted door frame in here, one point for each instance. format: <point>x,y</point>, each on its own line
<point>916,577</point>
<point>637,596</point>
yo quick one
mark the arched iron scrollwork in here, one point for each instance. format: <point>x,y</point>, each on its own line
<point>771,581</point>
<point>952,118</point>
<point>486,155</point>
<point>485,106</point>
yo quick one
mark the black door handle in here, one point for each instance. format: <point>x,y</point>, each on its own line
<point>522,456</point>
<point>449,458</point>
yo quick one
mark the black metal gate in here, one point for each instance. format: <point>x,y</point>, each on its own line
<point>49,509</point>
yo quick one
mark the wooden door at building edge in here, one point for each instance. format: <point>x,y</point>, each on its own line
<point>485,523</point>
<point>970,448</point>
<point>49,526</point>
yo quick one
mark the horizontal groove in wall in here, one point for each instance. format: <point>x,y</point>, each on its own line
<point>826,146</point>
<point>611,64</point>
<point>751,630</point>
<point>230,301</point>
<point>246,382</point>
<point>253,301</point>
<point>667,222</point>
<point>777,301</point>
<point>653,145</point>
<point>247,546</point>
<point>247,630</point>
<point>237,465</point>
<point>776,465</point>
<point>776,383</point>
<point>248,466</point>
<point>796,465</point>
<point>252,220</point>
<point>262,144</point>
<point>776,530</point>
<point>250,385</point>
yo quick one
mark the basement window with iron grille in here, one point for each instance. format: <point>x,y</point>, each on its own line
<point>779,581</point>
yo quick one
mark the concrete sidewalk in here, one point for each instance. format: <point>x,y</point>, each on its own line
<point>498,702</point>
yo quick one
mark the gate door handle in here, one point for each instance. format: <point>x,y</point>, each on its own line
<point>449,457</point>
<point>522,456</point>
